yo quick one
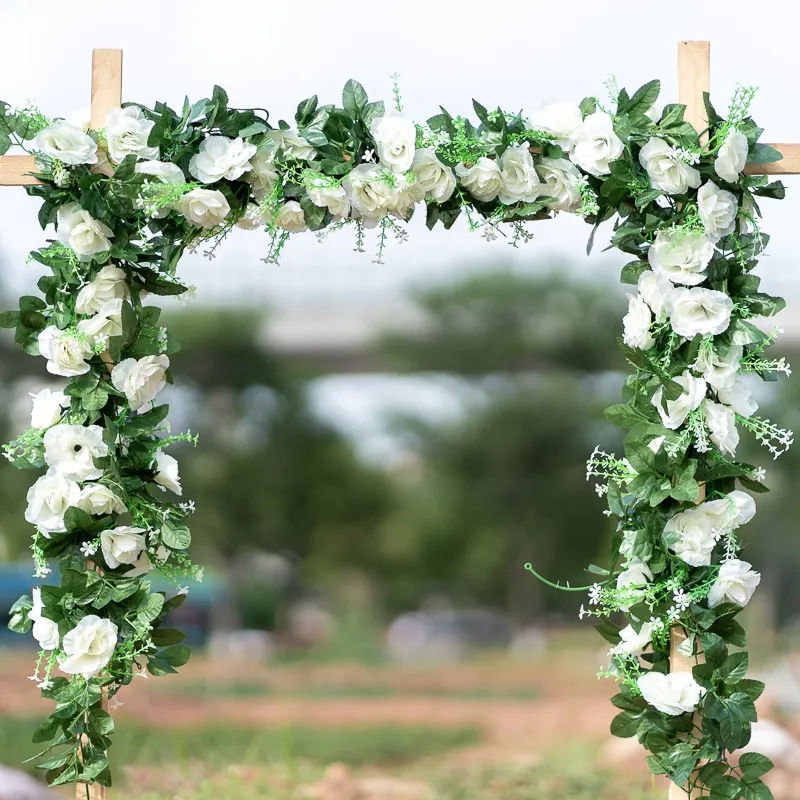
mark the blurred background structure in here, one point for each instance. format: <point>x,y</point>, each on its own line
<point>384,446</point>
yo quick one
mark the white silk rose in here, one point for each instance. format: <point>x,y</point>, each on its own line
<point>325,192</point>
<point>674,694</point>
<point>697,310</point>
<point>436,179</point>
<point>48,408</point>
<point>736,583</point>
<point>127,131</point>
<point>166,473</point>
<point>89,646</point>
<point>632,643</point>
<point>406,193</point>
<point>721,422</point>
<point>109,284</point>
<point>141,380</point>
<point>666,170</point>
<point>166,173</point>
<point>560,120</point>
<point>369,192</point>
<point>66,143</point>
<point>562,181</point>
<point>693,534</point>
<point>45,631</point>
<point>48,501</point>
<point>739,398</point>
<point>290,217</point>
<point>732,157</point>
<point>717,209</point>
<point>252,219</point>
<point>730,512</point>
<point>122,545</point>
<point>66,354</point>
<point>394,137</point>
<point>719,370</point>
<point>680,256</point>
<point>98,500</point>
<point>482,180</point>
<point>654,288</point>
<point>220,157</point>
<point>521,182</point>
<point>292,144</point>
<point>71,450</point>
<point>636,324</point>
<point>595,145</point>
<point>205,208</point>
<point>694,390</point>
<point>81,232</point>
<point>107,322</point>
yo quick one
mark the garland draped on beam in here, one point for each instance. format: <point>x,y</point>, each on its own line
<point>129,199</point>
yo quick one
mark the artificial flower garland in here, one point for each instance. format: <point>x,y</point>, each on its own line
<point>128,200</point>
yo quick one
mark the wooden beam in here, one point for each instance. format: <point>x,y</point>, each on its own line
<point>106,85</point>
<point>788,165</point>
<point>14,171</point>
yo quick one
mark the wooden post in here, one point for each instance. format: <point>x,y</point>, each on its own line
<point>106,94</point>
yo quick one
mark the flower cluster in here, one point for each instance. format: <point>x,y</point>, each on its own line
<point>128,200</point>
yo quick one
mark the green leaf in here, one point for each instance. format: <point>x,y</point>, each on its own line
<point>763,154</point>
<point>151,607</point>
<point>177,655</point>
<point>625,725</point>
<point>19,621</point>
<point>735,667</point>
<point>175,536</point>
<point>77,521</point>
<point>9,319</point>
<point>354,99</point>
<point>645,97</point>
<point>754,765</point>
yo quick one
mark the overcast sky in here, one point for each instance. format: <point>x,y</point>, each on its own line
<point>274,54</point>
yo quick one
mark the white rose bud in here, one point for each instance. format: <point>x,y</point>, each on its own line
<point>48,408</point>
<point>595,145</point>
<point>394,137</point>
<point>436,179</point>
<point>560,120</point>
<point>205,208</point>
<point>107,322</point>
<point>48,501</point>
<point>677,410</point>
<point>633,643</point>
<point>674,694</point>
<point>122,545</point>
<point>739,398</point>
<point>127,131</point>
<point>697,310</point>
<point>328,193</point>
<point>680,256</point>
<point>736,583</point>
<point>717,209</point>
<point>71,450</point>
<point>667,172</point>
<point>220,157</point>
<point>80,231</point>
<point>521,183</point>
<point>636,324</point>
<point>66,143</point>
<point>167,475</point>
<point>98,500</point>
<point>141,380</point>
<point>292,144</point>
<point>89,646</point>
<point>732,157</point>
<point>45,631</point>
<point>482,180</point>
<point>109,284</point>
<point>721,422</point>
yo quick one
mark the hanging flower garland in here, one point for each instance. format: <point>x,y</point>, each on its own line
<point>128,200</point>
